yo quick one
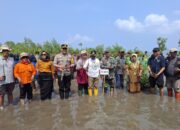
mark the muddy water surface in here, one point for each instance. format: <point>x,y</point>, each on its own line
<point>123,111</point>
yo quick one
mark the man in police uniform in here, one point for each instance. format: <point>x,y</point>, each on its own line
<point>108,62</point>
<point>63,63</point>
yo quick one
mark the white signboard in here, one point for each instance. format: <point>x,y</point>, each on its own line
<point>104,71</point>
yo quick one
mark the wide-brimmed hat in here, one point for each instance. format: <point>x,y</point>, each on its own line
<point>24,54</point>
<point>83,52</point>
<point>5,47</point>
<point>134,55</point>
<point>173,50</point>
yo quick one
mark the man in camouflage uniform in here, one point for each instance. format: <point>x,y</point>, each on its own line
<point>108,62</point>
<point>63,63</point>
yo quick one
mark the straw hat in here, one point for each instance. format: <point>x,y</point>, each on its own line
<point>83,52</point>
<point>4,47</point>
<point>134,55</point>
<point>173,50</point>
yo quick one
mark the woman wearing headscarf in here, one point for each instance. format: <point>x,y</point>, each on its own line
<point>45,70</point>
<point>82,77</point>
<point>134,72</point>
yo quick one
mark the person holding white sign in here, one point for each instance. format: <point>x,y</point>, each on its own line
<point>108,62</point>
<point>92,65</point>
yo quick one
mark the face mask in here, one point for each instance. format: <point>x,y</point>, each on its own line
<point>93,57</point>
<point>25,61</point>
<point>44,57</point>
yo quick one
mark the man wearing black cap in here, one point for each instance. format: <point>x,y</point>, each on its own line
<point>63,63</point>
<point>156,67</point>
<point>92,65</point>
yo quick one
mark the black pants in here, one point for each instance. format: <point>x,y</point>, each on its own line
<point>26,90</point>
<point>64,86</point>
<point>82,87</point>
<point>159,81</point>
<point>46,85</point>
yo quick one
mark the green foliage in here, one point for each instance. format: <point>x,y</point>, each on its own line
<point>162,43</point>
<point>145,73</point>
<point>100,50</point>
<point>145,80</point>
<point>53,47</point>
<point>114,49</point>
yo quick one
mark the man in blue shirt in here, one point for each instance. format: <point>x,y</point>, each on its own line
<point>156,67</point>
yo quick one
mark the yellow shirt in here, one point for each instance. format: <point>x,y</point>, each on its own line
<point>45,66</point>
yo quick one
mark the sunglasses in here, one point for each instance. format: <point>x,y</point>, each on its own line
<point>25,57</point>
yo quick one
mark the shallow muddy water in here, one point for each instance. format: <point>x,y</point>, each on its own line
<point>123,111</point>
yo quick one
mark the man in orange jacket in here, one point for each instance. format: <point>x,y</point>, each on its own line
<point>24,71</point>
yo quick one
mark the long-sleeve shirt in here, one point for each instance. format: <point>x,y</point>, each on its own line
<point>108,63</point>
<point>45,66</point>
<point>82,77</point>
<point>120,65</point>
<point>6,70</point>
<point>24,72</point>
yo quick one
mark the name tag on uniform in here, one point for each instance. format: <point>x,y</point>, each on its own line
<point>104,71</point>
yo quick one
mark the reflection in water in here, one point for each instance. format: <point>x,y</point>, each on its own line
<point>123,111</point>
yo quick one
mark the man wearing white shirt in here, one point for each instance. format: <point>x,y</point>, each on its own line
<point>6,75</point>
<point>92,65</point>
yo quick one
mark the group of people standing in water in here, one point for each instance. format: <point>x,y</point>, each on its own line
<point>87,67</point>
